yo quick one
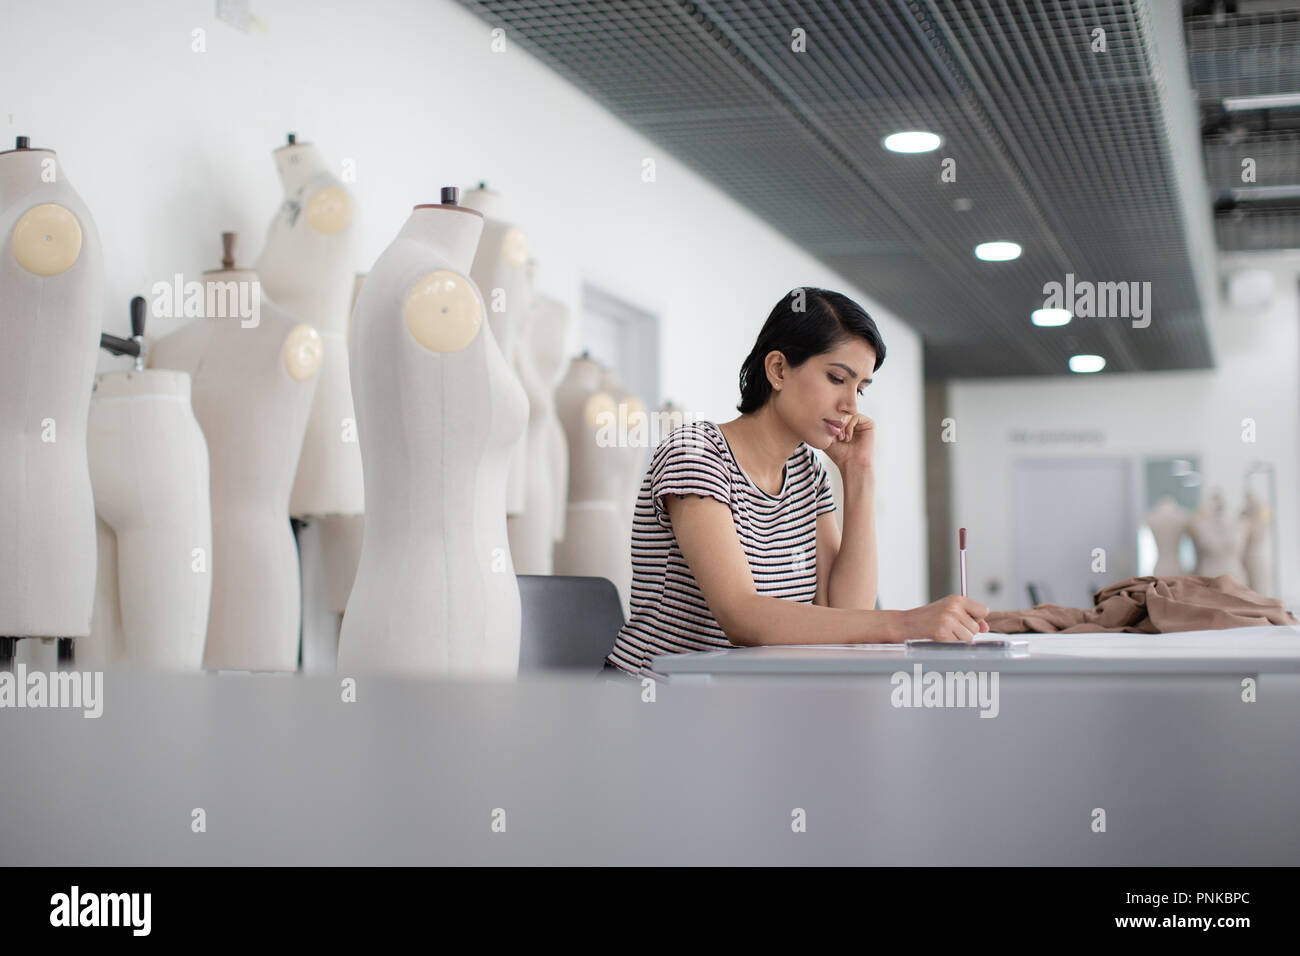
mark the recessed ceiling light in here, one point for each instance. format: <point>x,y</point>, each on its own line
<point>1269,101</point>
<point>911,141</point>
<point>997,251</point>
<point>1051,316</point>
<point>1087,363</point>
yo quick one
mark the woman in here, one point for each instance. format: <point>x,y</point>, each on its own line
<point>735,541</point>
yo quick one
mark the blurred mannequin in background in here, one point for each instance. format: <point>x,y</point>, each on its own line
<point>1220,540</point>
<point>540,361</point>
<point>597,541</point>
<point>1168,522</point>
<point>633,453</point>
<point>500,274</point>
<point>149,468</point>
<point>253,379</point>
<point>308,267</point>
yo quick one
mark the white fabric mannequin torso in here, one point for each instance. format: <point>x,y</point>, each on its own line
<point>500,264</point>
<point>438,410</point>
<point>51,293</point>
<point>632,455</point>
<point>308,268</point>
<point>149,469</point>
<point>539,360</point>
<point>550,333</point>
<point>596,540</point>
<point>1220,541</point>
<point>1168,522</point>
<point>340,536</point>
<point>252,390</point>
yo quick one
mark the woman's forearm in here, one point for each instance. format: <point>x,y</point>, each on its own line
<point>771,620</point>
<point>853,577</point>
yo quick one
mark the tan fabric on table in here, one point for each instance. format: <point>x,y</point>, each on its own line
<point>1152,605</point>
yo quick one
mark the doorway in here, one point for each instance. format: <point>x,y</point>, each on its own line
<point>1063,509</point>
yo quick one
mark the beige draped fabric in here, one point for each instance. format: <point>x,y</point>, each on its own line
<point>1152,605</point>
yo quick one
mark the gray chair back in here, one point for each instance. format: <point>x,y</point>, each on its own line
<point>568,622</point>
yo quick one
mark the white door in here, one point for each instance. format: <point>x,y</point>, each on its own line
<point>1063,510</point>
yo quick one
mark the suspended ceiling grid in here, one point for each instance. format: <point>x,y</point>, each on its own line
<point>1236,53</point>
<point>1056,147</point>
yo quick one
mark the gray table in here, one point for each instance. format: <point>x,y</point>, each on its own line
<point>587,772</point>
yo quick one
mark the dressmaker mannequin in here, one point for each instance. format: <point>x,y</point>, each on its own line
<point>330,548</point>
<point>149,471</point>
<point>253,382</point>
<point>499,270</point>
<point>341,534</point>
<point>308,267</point>
<point>1258,557</point>
<point>633,455</point>
<point>438,410</point>
<point>539,361</point>
<point>596,542</point>
<point>109,643</point>
<point>1168,522</point>
<point>1220,540</point>
<point>548,341</point>
<point>51,288</point>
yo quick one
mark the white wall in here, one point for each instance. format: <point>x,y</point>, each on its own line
<point>170,147</point>
<point>1257,376</point>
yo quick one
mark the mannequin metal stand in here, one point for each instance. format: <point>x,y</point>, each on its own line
<point>9,650</point>
<point>298,524</point>
<point>135,344</point>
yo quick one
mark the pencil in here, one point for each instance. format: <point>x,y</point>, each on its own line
<point>961,558</point>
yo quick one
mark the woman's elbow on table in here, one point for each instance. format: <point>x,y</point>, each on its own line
<point>738,630</point>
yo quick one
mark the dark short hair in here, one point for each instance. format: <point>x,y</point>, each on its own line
<point>827,320</point>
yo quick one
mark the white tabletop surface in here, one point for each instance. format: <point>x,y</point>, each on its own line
<point>1211,651</point>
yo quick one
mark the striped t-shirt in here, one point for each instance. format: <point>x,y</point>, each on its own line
<point>778,535</point>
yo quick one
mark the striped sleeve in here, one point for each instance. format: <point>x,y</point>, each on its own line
<point>687,464</point>
<point>825,497</point>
